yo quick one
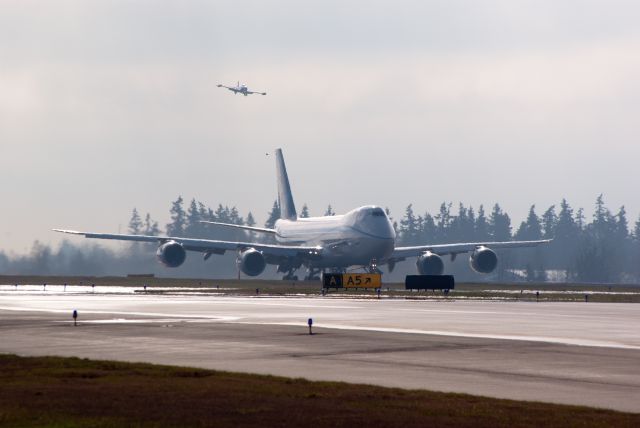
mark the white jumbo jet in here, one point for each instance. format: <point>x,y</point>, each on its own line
<point>363,238</point>
<point>241,89</point>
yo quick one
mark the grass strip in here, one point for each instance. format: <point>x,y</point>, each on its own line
<point>69,392</point>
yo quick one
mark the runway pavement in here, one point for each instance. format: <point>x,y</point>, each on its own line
<point>574,353</point>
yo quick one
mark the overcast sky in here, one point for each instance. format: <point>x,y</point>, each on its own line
<point>107,105</point>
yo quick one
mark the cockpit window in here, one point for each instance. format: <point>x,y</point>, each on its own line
<point>377,212</point>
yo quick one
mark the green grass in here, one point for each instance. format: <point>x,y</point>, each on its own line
<point>69,392</point>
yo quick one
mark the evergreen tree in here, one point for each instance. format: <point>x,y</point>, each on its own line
<point>329,211</point>
<point>305,211</point>
<point>273,216</point>
<point>429,229</point>
<point>204,212</point>
<point>409,227</point>
<point>580,219</point>
<point>470,234</point>
<point>222,214</point>
<point>600,255</point>
<point>193,226</point>
<point>178,218</point>
<point>151,226</point>
<point>482,226</point>
<point>531,229</point>
<point>234,216</point>
<point>135,224</point>
<point>602,219</point>
<point>443,222</point>
<point>499,224</point>
<point>549,221</point>
<point>250,220</point>
<point>462,226</point>
<point>621,225</point>
<point>566,229</point>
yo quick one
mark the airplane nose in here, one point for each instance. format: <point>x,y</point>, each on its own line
<point>382,229</point>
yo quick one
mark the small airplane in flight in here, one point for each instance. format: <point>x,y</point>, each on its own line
<point>363,237</point>
<point>241,89</point>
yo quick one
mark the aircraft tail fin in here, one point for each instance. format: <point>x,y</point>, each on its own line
<point>285,198</point>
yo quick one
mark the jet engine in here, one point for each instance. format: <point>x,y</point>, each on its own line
<point>483,260</point>
<point>171,254</point>
<point>430,264</point>
<point>251,262</point>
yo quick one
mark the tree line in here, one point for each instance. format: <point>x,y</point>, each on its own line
<point>604,248</point>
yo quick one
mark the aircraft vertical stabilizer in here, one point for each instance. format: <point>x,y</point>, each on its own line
<point>285,198</point>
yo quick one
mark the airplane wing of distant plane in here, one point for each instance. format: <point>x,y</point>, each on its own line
<point>259,93</point>
<point>400,253</point>
<point>210,246</point>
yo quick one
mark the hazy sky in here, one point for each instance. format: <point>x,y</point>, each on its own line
<point>107,105</point>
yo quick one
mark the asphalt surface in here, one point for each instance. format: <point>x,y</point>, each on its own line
<point>572,353</point>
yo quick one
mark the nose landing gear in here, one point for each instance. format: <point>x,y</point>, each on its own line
<point>373,267</point>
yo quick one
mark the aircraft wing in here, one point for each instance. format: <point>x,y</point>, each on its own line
<point>271,251</point>
<point>223,86</point>
<point>240,226</point>
<point>259,93</point>
<point>400,253</point>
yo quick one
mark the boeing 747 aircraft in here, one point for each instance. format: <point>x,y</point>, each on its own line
<point>363,237</point>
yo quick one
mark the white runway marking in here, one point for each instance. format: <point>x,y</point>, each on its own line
<point>172,317</point>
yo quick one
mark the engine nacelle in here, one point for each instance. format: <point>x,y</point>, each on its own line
<point>430,264</point>
<point>171,254</point>
<point>251,262</point>
<point>483,260</point>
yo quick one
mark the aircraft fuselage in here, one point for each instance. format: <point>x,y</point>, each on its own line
<point>359,237</point>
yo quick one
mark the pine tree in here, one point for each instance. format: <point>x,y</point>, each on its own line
<point>621,224</point>
<point>462,226</point>
<point>305,211</point>
<point>429,229</point>
<point>235,217</point>
<point>499,224</point>
<point>250,220</point>
<point>193,226</point>
<point>482,226</point>
<point>273,216</point>
<point>566,228</point>
<point>329,211</point>
<point>580,219</point>
<point>151,226</point>
<point>443,222</point>
<point>549,221</point>
<point>222,214</point>
<point>178,218</point>
<point>135,224</point>
<point>530,229</point>
<point>409,226</point>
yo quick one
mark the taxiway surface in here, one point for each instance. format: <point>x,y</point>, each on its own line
<point>573,353</point>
